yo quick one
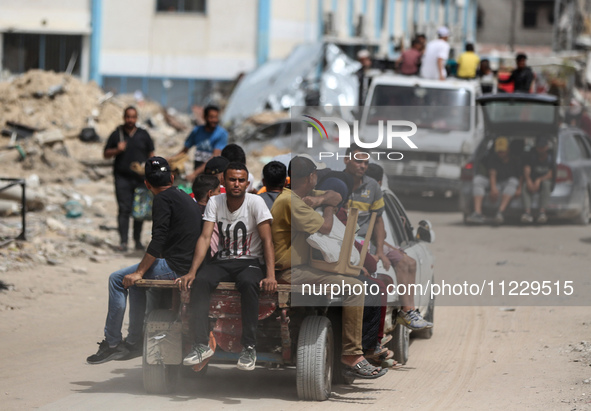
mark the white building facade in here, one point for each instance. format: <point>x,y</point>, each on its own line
<point>175,51</point>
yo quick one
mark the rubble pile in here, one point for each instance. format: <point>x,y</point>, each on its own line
<point>42,115</point>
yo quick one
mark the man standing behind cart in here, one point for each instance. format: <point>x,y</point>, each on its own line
<point>209,141</point>
<point>244,223</point>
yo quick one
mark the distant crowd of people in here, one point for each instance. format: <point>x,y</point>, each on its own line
<point>434,60</point>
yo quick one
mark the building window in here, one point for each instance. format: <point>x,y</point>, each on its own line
<point>530,14</point>
<point>181,6</point>
<point>24,51</point>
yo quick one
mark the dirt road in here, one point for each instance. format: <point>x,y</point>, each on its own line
<point>479,357</point>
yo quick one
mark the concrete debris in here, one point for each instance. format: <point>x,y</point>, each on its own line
<point>55,225</point>
<point>79,270</point>
<point>35,201</point>
<point>8,208</point>
<point>49,137</point>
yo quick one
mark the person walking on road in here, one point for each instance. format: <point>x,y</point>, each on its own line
<point>129,144</point>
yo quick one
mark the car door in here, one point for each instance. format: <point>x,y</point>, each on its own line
<point>585,149</point>
<point>418,250</point>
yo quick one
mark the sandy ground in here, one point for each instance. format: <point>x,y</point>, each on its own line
<point>480,357</point>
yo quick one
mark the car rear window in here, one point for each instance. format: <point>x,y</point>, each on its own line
<point>511,112</point>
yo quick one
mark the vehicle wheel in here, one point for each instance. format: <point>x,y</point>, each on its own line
<point>315,359</point>
<point>159,379</point>
<point>399,343</point>
<point>428,333</point>
<point>583,218</point>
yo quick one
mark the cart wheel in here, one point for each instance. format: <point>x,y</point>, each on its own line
<point>399,344</point>
<point>159,378</point>
<point>315,359</point>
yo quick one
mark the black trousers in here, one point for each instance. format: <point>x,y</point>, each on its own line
<point>372,311</point>
<point>247,274</point>
<point>124,188</point>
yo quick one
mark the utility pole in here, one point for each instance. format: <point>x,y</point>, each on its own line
<point>556,27</point>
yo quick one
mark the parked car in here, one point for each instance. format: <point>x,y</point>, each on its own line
<point>448,130</point>
<point>522,118</point>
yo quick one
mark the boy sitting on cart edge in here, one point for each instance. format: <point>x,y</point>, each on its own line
<point>294,220</point>
<point>244,224</point>
<point>367,197</point>
<point>175,229</point>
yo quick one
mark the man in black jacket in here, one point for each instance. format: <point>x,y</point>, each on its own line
<point>175,230</point>
<point>522,77</point>
<point>128,144</point>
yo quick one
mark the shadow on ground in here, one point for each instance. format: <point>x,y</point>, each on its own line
<point>229,386</point>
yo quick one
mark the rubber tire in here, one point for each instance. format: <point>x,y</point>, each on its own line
<point>159,379</point>
<point>430,316</point>
<point>400,343</point>
<point>583,218</point>
<point>315,359</point>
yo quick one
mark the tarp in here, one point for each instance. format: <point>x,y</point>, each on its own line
<point>278,85</point>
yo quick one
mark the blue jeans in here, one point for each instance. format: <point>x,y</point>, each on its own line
<point>137,302</point>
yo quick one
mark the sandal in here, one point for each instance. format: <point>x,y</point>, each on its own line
<point>380,353</point>
<point>365,370</point>
<point>387,338</point>
<point>391,363</point>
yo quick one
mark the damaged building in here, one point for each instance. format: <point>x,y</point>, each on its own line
<point>181,52</point>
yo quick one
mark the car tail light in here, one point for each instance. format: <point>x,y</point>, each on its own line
<point>467,172</point>
<point>564,174</point>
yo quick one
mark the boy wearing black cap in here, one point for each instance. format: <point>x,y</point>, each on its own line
<point>216,167</point>
<point>175,229</point>
<point>537,172</point>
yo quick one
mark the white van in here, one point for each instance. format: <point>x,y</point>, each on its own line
<point>448,130</point>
